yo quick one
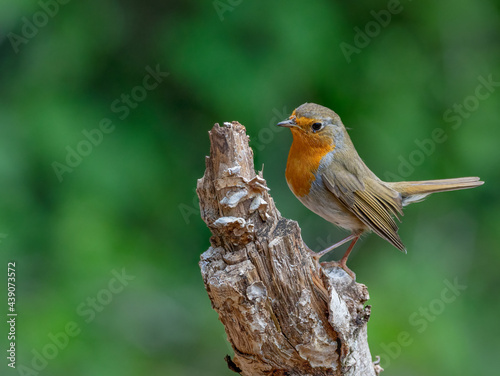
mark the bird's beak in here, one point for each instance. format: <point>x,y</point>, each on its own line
<point>289,123</point>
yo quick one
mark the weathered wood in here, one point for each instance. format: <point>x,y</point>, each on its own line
<point>284,314</point>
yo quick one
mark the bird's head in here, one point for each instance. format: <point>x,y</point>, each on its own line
<point>315,126</point>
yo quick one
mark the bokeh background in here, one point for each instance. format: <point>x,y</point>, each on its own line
<point>394,71</point>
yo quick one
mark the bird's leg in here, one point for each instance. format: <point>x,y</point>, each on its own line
<point>318,255</point>
<point>343,261</point>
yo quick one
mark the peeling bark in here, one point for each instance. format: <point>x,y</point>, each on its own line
<point>284,314</point>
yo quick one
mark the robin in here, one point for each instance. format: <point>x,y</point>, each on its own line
<point>326,174</point>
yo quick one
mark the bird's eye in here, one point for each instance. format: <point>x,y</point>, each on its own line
<point>316,127</point>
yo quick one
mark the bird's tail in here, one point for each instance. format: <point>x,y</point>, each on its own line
<point>415,191</point>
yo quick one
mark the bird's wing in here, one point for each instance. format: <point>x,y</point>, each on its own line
<point>372,202</point>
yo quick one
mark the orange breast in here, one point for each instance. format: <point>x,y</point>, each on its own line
<point>303,160</point>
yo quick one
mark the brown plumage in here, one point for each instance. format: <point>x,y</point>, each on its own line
<point>326,174</point>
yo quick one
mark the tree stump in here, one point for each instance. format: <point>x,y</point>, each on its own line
<point>284,313</point>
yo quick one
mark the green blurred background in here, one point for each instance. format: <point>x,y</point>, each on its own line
<point>128,204</point>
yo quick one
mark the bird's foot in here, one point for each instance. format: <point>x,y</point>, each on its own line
<point>376,366</point>
<point>343,262</point>
<point>315,255</point>
<point>340,264</point>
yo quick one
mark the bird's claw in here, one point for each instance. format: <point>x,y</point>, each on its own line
<point>339,264</point>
